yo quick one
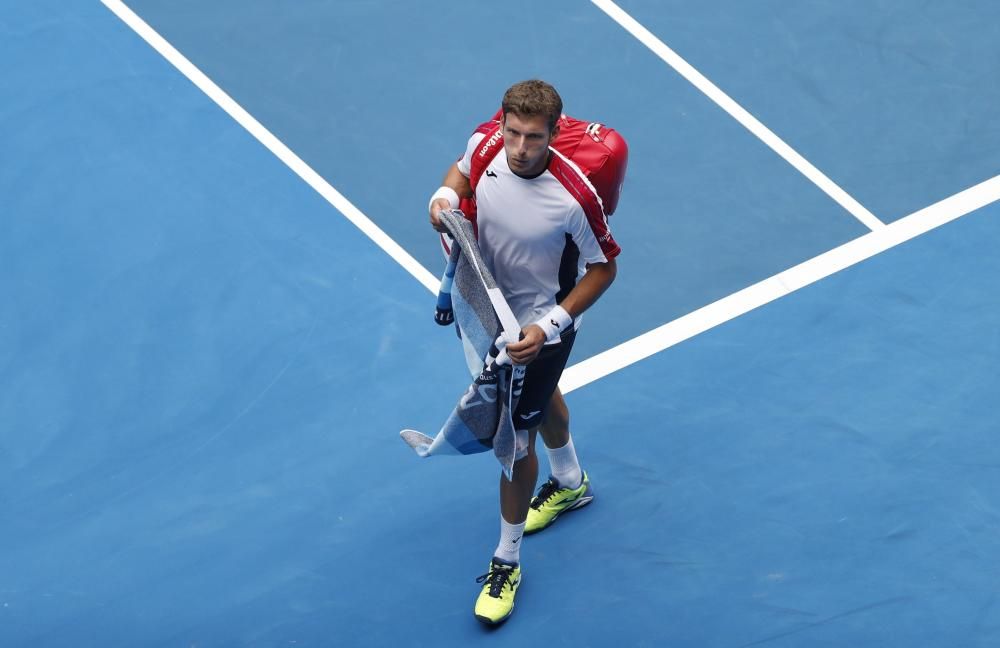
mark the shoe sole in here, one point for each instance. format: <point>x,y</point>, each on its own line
<point>490,622</point>
<point>580,503</point>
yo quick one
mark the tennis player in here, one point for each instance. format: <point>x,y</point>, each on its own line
<point>545,238</point>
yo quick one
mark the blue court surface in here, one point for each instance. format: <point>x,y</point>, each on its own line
<point>205,365</point>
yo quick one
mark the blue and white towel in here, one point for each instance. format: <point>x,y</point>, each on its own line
<point>483,418</point>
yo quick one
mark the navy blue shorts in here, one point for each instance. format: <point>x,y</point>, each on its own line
<point>541,378</point>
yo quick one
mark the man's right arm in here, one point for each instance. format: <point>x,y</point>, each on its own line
<point>457,182</point>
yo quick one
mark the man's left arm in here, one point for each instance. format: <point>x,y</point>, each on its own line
<point>595,281</point>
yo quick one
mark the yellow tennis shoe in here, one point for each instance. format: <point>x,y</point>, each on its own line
<point>553,500</point>
<point>496,600</point>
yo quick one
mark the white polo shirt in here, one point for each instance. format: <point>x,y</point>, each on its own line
<point>537,235</point>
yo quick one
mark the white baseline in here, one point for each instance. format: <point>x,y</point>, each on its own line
<point>273,144</point>
<point>751,123</point>
<point>781,284</point>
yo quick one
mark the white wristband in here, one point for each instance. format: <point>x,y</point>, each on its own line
<point>449,194</point>
<point>554,323</point>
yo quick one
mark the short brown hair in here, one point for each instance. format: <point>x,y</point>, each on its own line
<point>531,98</point>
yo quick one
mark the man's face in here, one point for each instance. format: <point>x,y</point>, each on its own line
<point>526,140</point>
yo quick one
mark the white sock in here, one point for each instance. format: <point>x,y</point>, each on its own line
<point>509,549</point>
<point>565,466</point>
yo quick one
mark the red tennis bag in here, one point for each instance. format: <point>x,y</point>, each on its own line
<point>599,151</point>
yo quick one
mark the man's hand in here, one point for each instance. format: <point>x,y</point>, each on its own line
<point>454,187</point>
<point>525,350</point>
<point>439,205</point>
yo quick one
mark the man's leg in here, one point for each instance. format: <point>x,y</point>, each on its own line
<point>565,466</point>
<point>496,599</point>
<point>555,427</point>
<point>500,583</point>
<point>568,488</point>
<point>515,495</point>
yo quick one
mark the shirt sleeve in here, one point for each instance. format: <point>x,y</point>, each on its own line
<point>592,236</point>
<point>465,163</point>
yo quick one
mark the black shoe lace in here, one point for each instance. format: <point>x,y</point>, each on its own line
<point>497,576</point>
<point>547,490</point>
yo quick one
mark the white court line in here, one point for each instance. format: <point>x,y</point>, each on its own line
<point>781,284</point>
<point>738,113</point>
<point>273,144</point>
<point>651,342</point>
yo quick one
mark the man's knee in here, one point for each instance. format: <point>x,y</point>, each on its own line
<point>557,414</point>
